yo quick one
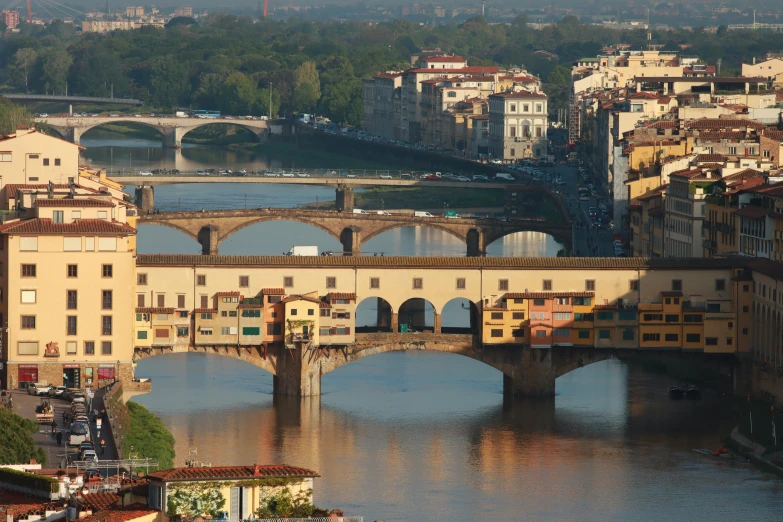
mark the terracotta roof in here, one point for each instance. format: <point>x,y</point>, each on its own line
<point>44,226</point>
<point>708,135</point>
<point>118,515</point>
<point>723,123</point>
<point>545,263</point>
<point>643,95</point>
<point>154,310</point>
<point>99,501</point>
<point>768,267</point>
<point>546,295</point>
<point>69,202</point>
<point>297,297</point>
<point>773,134</point>
<point>18,505</point>
<point>681,79</point>
<point>519,94</point>
<point>471,69</point>
<point>449,59</point>
<point>711,158</point>
<point>665,100</point>
<point>666,124</point>
<point>231,472</point>
<point>205,311</point>
<point>743,174</point>
<point>273,291</point>
<point>331,296</point>
<point>227,294</point>
<point>753,212</point>
<point>12,189</point>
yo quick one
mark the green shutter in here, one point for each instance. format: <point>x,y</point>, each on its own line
<point>141,334</point>
<point>251,330</point>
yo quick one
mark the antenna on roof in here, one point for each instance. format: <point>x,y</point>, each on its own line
<point>50,190</point>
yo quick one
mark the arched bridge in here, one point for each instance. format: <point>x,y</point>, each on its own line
<point>210,228</point>
<point>297,372</point>
<point>171,129</point>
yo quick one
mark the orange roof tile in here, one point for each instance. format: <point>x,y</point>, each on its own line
<point>231,473</point>
<point>44,226</point>
<point>205,311</point>
<point>546,295</point>
<point>331,296</point>
<point>69,202</point>
<point>12,189</point>
<point>99,501</point>
<point>228,294</point>
<point>118,515</point>
<point>155,310</point>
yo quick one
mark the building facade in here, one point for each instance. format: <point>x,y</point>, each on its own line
<point>518,125</point>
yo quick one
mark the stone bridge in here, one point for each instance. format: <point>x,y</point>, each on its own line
<point>171,129</point>
<point>298,371</point>
<point>210,228</point>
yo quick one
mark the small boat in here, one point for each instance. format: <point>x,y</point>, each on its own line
<point>676,391</point>
<point>692,392</point>
<point>720,452</point>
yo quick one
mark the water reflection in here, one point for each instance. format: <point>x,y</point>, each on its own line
<point>428,436</point>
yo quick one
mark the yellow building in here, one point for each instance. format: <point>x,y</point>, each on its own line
<point>302,314</point>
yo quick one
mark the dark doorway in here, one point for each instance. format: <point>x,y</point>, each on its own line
<point>72,378</point>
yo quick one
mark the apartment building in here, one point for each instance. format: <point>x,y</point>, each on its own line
<point>760,227</point>
<point>518,125</point>
<point>380,91</point>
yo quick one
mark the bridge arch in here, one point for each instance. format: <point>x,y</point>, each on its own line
<point>177,240</point>
<point>256,131</point>
<point>83,129</point>
<point>423,224</point>
<point>418,314</point>
<point>262,219</point>
<point>250,354</point>
<point>374,314</point>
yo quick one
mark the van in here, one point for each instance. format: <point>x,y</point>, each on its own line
<point>382,213</point>
<point>78,434</point>
<point>502,176</point>
<point>358,211</point>
<point>422,214</point>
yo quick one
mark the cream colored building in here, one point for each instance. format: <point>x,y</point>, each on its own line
<point>769,69</point>
<point>29,157</point>
<point>518,124</point>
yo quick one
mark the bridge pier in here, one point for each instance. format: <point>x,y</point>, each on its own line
<point>172,137</point>
<point>145,198</point>
<point>295,375</point>
<point>76,135</point>
<point>209,240</point>
<point>351,239</point>
<point>384,315</point>
<point>476,243</point>
<point>532,374</point>
<point>344,198</point>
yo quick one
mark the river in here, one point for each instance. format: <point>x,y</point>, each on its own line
<point>428,436</point>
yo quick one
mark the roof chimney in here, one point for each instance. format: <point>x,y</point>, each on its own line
<point>256,470</point>
<point>51,190</point>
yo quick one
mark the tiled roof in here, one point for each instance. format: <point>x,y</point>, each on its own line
<point>708,135</point>
<point>743,174</point>
<point>753,212</point>
<point>768,267</point>
<point>72,202</point>
<point>774,134</point>
<point>546,295</point>
<point>118,515</point>
<point>228,294</point>
<point>462,70</point>
<point>44,226</point>
<point>546,263</point>
<point>324,304</point>
<point>723,123</point>
<point>666,124</point>
<point>153,310</point>
<point>710,158</point>
<point>340,295</point>
<point>665,100</point>
<point>297,297</point>
<point>12,189</point>
<point>519,94</point>
<point>274,291</point>
<point>205,311</point>
<point>99,501</point>
<point>18,505</point>
<point>644,96</point>
<point>231,473</point>
<point>449,59</point>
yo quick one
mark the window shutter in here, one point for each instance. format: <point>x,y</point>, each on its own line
<point>347,315</point>
<point>204,301</point>
<point>333,331</point>
<point>348,330</point>
<point>140,300</point>
<point>334,315</point>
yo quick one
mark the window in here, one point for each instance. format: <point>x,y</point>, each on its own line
<point>89,244</point>
<point>562,316</point>
<point>518,332</point>
<point>288,282</point>
<point>58,216</point>
<point>605,316</point>
<point>713,307</point>
<point>107,271</point>
<point>251,330</point>
<point>294,311</point>
<point>107,244</point>
<point>181,301</point>
<point>5,157</point>
<point>140,300</point>
<point>375,282</point>
<point>310,311</point>
<point>28,347</point>
<point>204,301</point>
<point>653,317</point>
<point>163,317</point>
<point>141,334</point>
<point>633,285</point>
<point>105,350</point>
<point>729,341</point>
<point>692,338</point>
<point>578,316</point>
<point>106,373</point>
<point>56,162</point>
<point>589,285</point>
<point>331,282</point>
<point>46,162</point>
<point>28,270</point>
<point>732,150</point>
<point>325,312</point>
<point>28,296</point>
<point>183,331</point>
<point>562,332</point>
<point>547,284</point>
<point>206,315</point>
<point>102,214</point>
<point>71,298</point>
<point>460,283</point>
<point>71,325</point>
<point>141,279</point>
<point>720,285</point>
<point>452,94</point>
<point>205,331</point>
<point>496,315</point>
<point>745,288</point>
<point>745,309</point>
<point>604,334</point>
<point>676,285</point>
<point>72,271</point>
<point>584,334</point>
<point>628,334</point>
<point>161,300</point>
<point>538,302</point>
<point>744,331</point>
<point>672,318</point>
<point>651,337</point>
<point>581,301</point>
<point>89,347</point>
<point>503,285</point>
<point>691,318</point>
<point>518,316</point>
<point>106,325</point>
<point>28,244</point>
<point>28,322</point>
<point>711,341</point>
<point>626,316</point>
<point>418,283</point>
<point>201,280</point>
<point>540,334</point>
<point>106,299</point>
<point>252,312</point>
<point>671,337</point>
<point>562,300</point>
<point>274,329</point>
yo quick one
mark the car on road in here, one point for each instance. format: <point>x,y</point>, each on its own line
<point>37,388</point>
<point>351,176</point>
<point>269,174</point>
<point>385,176</point>
<point>288,175</point>
<point>479,177</point>
<point>57,392</point>
<point>145,173</point>
<point>302,175</point>
<point>382,213</point>
<point>462,178</point>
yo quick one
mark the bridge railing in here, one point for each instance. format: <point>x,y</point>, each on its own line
<point>328,173</point>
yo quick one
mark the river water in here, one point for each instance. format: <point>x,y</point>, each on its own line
<point>428,436</point>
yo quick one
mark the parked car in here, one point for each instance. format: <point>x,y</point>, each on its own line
<point>385,176</point>
<point>57,392</point>
<point>145,173</point>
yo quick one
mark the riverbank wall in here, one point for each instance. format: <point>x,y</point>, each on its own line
<point>760,381</point>
<point>755,453</point>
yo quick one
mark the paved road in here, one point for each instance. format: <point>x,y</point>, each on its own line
<point>24,405</point>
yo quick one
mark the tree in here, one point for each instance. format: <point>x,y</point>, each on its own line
<point>149,437</point>
<point>168,82</point>
<point>55,62</point>
<point>16,439</point>
<point>308,74</point>
<point>23,63</point>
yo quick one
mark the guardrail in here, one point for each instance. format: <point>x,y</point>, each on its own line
<point>315,173</point>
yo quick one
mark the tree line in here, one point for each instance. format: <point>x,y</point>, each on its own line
<point>231,64</point>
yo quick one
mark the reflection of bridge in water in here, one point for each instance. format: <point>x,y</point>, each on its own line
<point>210,228</point>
